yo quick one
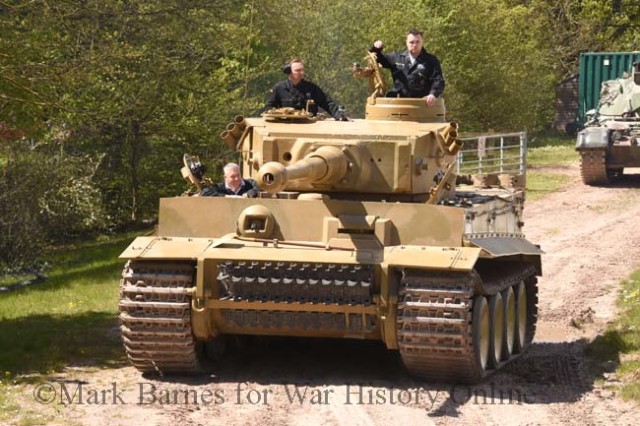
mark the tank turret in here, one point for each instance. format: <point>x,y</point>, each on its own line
<point>378,157</point>
<point>361,159</point>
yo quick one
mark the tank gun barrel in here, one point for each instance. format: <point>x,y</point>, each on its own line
<point>326,165</point>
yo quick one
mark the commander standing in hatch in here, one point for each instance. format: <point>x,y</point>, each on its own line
<point>416,73</point>
<point>295,91</point>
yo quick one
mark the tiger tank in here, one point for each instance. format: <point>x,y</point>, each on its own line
<point>361,230</point>
<point>610,140</point>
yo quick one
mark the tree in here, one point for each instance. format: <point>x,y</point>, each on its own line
<point>44,197</point>
<point>128,86</point>
<point>141,82</point>
<point>569,27</point>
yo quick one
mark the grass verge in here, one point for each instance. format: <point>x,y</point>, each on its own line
<point>546,160</point>
<point>540,184</point>
<point>552,155</point>
<point>70,319</point>
<point>620,343</point>
<point>64,319</point>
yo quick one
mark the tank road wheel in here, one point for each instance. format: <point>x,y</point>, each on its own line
<point>593,167</point>
<point>481,332</point>
<point>155,317</point>
<point>521,317</point>
<point>509,301</point>
<point>496,315</point>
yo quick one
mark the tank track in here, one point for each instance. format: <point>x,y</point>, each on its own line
<point>593,167</point>
<point>155,317</point>
<point>434,323</point>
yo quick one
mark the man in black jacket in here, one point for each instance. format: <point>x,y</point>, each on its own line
<point>295,91</point>
<point>416,73</point>
<point>233,185</point>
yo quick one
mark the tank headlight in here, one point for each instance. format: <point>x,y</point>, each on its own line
<point>256,222</point>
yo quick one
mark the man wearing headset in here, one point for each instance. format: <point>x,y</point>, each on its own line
<point>295,91</point>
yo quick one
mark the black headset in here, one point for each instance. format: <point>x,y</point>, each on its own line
<point>287,67</point>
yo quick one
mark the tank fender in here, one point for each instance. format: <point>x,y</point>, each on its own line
<point>593,137</point>
<point>166,248</point>
<point>494,247</point>
<point>453,258</point>
<point>505,246</point>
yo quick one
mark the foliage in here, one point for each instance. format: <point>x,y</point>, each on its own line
<point>43,197</point>
<point>134,82</point>
<point>573,27</point>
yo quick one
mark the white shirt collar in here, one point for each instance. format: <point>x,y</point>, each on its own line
<point>231,189</point>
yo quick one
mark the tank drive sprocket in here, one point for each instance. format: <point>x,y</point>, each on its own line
<point>155,317</point>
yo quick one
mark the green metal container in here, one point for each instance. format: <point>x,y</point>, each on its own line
<point>595,68</point>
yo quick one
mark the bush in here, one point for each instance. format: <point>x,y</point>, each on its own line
<point>44,199</point>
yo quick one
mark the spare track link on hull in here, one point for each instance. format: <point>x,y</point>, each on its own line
<point>155,317</point>
<point>593,167</point>
<point>434,323</point>
<point>299,283</point>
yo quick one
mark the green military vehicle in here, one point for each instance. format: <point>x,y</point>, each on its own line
<point>362,230</point>
<point>609,142</point>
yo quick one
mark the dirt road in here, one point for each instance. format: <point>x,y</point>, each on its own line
<point>591,240</point>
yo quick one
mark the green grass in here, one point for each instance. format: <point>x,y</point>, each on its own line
<point>540,184</point>
<point>551,151</point>
<point>630,373</point>
<point>68,320</point>
<point>554,153</point>
<point>71,318</point>
<point>621,341</point>
<point>555,139</point>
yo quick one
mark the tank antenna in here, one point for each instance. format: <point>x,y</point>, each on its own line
<point>246,67</point>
